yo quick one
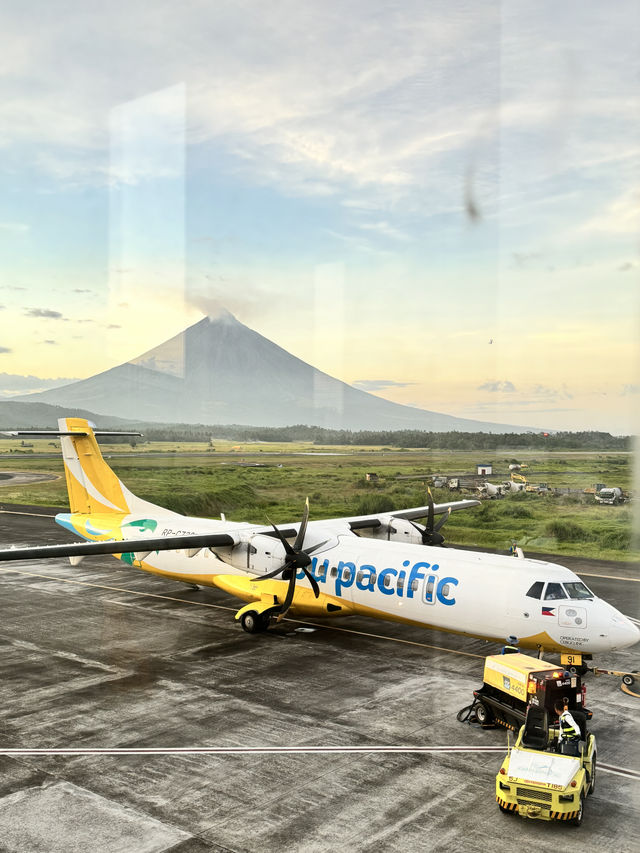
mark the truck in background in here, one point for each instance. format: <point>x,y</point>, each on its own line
<point>610,496</point>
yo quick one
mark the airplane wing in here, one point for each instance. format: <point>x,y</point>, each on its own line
<point>360,522</point>
<point>120,546</point>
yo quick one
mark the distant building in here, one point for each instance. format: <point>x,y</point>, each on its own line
<point>485,470</point>
<point>372,477</point>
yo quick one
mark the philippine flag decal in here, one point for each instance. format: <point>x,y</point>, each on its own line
<point>548,611</point>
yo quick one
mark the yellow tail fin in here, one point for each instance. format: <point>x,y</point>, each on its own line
<point>92,486</point>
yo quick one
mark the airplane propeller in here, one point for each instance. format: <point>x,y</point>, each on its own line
<point>429,533</point>
<point>296,558</point>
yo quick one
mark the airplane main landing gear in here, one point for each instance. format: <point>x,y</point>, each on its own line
<point>254,623</point>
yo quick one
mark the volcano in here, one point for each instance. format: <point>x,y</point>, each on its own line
<point>220,371</point>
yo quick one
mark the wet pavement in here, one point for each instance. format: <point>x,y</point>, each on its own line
<point>101,655</point>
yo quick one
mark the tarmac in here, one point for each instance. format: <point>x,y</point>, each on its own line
<point>104,657</point>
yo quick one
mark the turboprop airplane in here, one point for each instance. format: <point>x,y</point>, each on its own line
<point>383,565</point>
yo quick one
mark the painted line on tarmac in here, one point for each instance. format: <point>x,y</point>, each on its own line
<point>234,609</point>
<point>625,772</point>
<point>34,514</point>
<point>607,577</point>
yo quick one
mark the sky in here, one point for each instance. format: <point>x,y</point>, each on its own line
<point>437,202</point>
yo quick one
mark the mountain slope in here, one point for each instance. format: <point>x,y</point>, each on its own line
<point>220,371</point>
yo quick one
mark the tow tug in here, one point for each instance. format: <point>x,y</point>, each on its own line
<point>537,782</point>
<point>514,682</point>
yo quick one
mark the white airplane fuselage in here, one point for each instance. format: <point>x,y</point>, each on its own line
<point>473,593</point>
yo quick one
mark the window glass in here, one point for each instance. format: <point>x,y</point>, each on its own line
<point>554,591</point>
<point>535,591</point>
<point>578,590</point>
<point>414,585</point>
<point>400,584</point>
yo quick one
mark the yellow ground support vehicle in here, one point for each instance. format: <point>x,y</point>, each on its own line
<point>513,682</point>
<point>537,782</point>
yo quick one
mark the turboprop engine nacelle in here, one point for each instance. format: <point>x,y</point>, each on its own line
<point>396,530</point>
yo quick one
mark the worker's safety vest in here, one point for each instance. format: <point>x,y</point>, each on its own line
<point>568,729</point>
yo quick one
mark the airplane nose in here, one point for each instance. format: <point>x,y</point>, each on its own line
<point>623,633</point>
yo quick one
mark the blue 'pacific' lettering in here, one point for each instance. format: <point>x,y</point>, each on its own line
<point>442,593</point>
<point>345,577</point>
<point>366,578</point>
<point>383,574</point>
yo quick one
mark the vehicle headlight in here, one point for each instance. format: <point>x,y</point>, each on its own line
<point>566,798</point>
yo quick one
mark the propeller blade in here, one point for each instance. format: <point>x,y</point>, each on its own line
<point>429,524</point>
<point>315,547</point>
<point>297,545</point>
<point>313,582</point>
<point>287,547</point>
<point>271,574</point>
<point>443,520</point>
<point>289,597</point>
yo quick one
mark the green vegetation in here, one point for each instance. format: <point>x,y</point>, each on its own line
<point>254,482</point>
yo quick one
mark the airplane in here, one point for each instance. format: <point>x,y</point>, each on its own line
<point>382,565</point>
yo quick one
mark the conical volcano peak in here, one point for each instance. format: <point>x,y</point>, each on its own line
<point>223,317</point>
<point>219,371</point>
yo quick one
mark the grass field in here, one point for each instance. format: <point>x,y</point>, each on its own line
<point>257,480</point>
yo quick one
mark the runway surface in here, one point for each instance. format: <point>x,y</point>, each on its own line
<point>268,732</point>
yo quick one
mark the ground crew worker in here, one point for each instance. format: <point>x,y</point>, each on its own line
<point>569,733</point>
<point>513,549</point>
<point>511,647</point>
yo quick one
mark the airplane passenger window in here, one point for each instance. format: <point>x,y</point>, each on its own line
<point>334,572</point>
<point>554,592</point>
<point>535,590</point>
<point>400,584</point>
<point>414,586</point>
<point>387,580</point>
<point>322,571</point>
<point>346,575</point>
<point>578,590</point>
<point>359,576</point>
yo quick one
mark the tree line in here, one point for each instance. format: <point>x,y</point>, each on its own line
<point>585,440</point>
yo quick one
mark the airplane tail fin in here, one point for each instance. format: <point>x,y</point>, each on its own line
<point>92,486</point>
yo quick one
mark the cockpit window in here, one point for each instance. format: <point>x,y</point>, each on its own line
<point>536,589</point>
<point>554,591</point>
<point>578,590</point>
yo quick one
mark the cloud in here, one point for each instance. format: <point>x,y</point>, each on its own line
<point>44,312</point>
<point>543,392</point>
<point>373,385</point>
<point>385,229</point>
<point>55,343</point>
<point>5,349</point>
<point>629,389</point>
<point>626,267</point>
<point>14,383</point>
<point>501,386</point>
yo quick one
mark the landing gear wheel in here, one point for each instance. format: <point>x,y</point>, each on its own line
<point>592,786</point>
<point>577,820</point>
<point>628,680</point>
<point>253,622</point>
<point>483,714</point>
